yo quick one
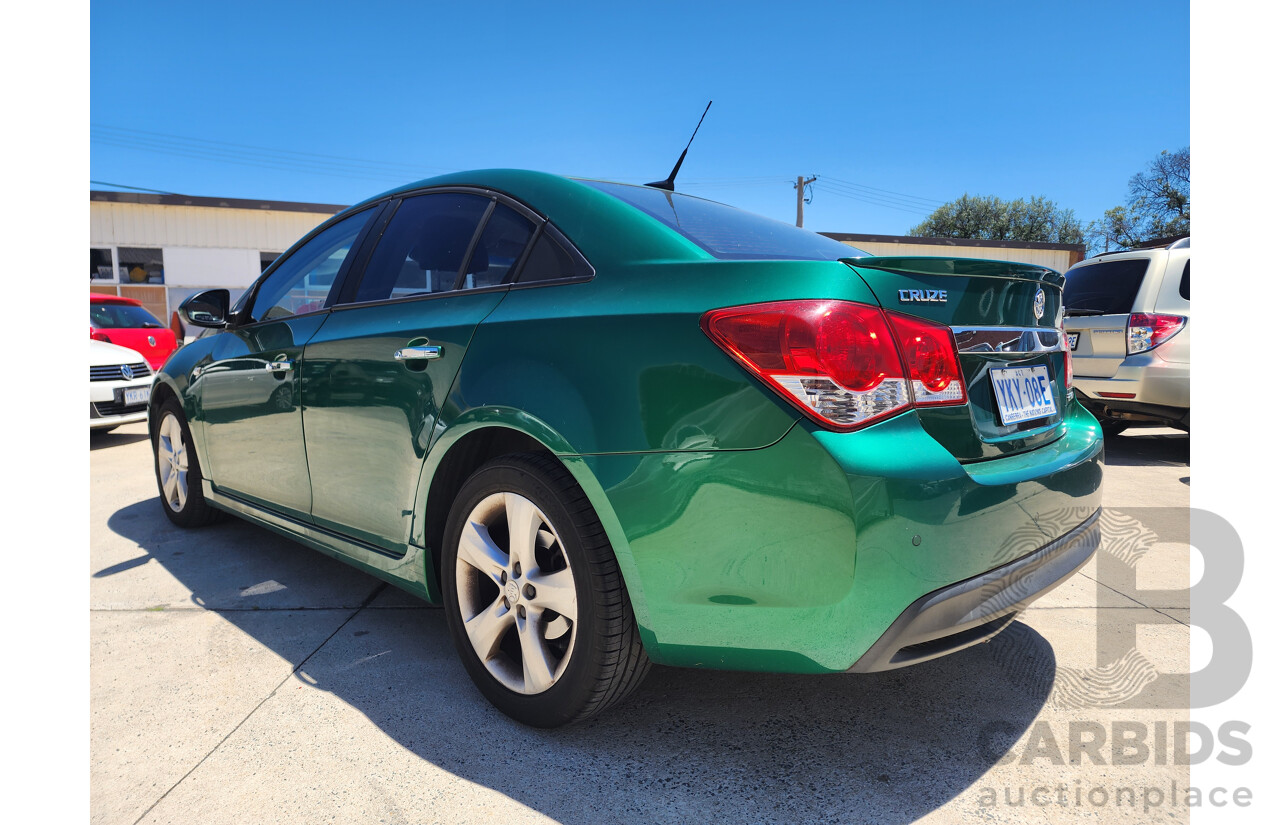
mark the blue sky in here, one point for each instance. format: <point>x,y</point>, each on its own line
<point>897,107</point>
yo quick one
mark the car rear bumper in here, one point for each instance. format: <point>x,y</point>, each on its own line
<point>1141,379</point>
<point>972,611</point>
<point>800,556</point>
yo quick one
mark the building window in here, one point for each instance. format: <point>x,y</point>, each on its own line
<point>138,265</point>
<point>100,268</point>
<point>267,258</point>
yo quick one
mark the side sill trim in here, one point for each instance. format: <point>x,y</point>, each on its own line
<point>408,571</point>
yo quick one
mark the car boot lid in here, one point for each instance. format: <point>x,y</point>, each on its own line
<point>963,267</point>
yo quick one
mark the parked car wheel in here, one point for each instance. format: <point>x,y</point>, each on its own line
<point>178,470</point>
<point>533,596</point>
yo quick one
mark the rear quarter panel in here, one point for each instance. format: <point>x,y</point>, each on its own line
<point>621,364</point>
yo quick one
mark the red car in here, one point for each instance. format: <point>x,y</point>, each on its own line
<point>125,322</point>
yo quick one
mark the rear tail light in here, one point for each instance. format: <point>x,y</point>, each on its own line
<point>1067,368</point>
<point>929,352</point>
<point>1148,330</point>
<point>838,361</point>
<point>101,336</point>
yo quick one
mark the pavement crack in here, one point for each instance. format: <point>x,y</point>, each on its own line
<point>1113,590</point>
<point>377,591</point>
<point>1160,610</point>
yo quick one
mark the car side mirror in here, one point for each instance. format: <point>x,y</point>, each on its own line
<point>210,308</point>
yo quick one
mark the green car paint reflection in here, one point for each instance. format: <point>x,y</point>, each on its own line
<point>749,534</point>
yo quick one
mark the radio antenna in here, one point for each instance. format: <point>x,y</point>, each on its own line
<point>670,183</point>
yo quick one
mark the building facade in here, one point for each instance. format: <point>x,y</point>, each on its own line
<point>159,249</point>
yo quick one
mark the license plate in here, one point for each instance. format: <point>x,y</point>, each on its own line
<point>1023,393</point>
<point>137,395</point>
<point>1073,338</point>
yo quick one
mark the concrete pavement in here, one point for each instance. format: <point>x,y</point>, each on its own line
<point>239,677</point>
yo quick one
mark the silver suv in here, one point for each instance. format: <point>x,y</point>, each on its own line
<point>1128,322</point>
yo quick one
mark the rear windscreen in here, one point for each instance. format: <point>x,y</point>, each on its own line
<point>1106,288</point>
<point>727,232</point>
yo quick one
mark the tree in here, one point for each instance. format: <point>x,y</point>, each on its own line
<point>986,217</point>
<point>1159,206</point>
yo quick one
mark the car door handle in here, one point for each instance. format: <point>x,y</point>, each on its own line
<point>418,353</point>
<point>279,366</point>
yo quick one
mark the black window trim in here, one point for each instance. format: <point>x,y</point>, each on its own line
<point>481,225</point>
<point>559,237</point>
<point>352,278</point>
<point>240,322</point>
<point>513,275</point>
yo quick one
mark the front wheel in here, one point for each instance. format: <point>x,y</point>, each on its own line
<point>533,596</point>
<point>178,470</point>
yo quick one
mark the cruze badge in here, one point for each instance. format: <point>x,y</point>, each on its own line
<point>913,296</point>
<point>1037,306</point>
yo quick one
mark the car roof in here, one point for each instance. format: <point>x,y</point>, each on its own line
<point>603,227</point>
<point>101,298</point>
<point>1138,252</point>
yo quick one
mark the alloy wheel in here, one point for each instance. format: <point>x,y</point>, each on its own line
<point>171,459</point>
<point>516,593</point>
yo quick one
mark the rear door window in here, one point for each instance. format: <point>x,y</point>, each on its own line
<point>501,244</point>
<point>1184,286</point>
<point>1106,288</point>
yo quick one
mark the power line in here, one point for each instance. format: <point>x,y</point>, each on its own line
<point>744,180</point>
<point>257,157</point>
<point>135,188</point>
<point>261,152</point>
<point>913,210</point>
<point>910,210</point>
<point>260,164</point>
<point>885,191</point>
<point>211,153</point>
<point>878,198</point>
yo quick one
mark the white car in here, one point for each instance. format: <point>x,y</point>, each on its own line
<point>119,386</point>
<point>1128,322</point>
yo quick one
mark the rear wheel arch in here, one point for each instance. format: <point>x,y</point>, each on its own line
<point>466,455</point>
<point>468,452</point>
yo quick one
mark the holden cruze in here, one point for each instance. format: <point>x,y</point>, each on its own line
<point>606,425</point>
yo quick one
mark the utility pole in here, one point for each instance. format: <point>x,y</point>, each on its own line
<point>801,183</point>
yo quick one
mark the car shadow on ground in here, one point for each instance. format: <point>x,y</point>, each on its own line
<point>99,440</point>
<point>1138,448</point>
<point>689,745</point>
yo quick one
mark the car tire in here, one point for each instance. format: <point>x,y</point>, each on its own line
<point>1112,427</point>
<point>539,665</point>
<point>178,475</point>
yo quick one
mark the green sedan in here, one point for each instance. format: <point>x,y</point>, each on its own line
<point>607,425</point>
